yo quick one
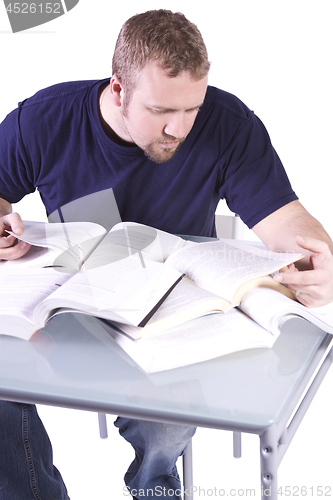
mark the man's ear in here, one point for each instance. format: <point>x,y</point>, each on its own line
<point>117,90</point>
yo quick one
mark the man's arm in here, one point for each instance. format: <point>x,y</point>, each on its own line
<point>9,249</point>
<point>292,228</point>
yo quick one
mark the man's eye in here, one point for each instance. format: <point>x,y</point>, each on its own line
<point>157,111</point>
<point>194,110</point>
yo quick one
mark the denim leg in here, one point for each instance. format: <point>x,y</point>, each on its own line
<point>26,467</point>
<point>157,446</point>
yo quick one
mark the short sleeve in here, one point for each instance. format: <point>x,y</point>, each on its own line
<point>16,179</point>
<point>253,180</point>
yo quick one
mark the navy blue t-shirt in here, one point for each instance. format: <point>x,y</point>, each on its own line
<point>55,141</point>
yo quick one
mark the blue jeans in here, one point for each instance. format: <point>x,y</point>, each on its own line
<point>153,473</point>
<point>26,466</point>
<point>27,471</point>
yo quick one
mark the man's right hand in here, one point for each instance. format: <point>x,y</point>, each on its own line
<point>10,247</point>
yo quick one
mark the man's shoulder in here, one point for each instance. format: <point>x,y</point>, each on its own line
<point>226,102</point>
<point>61,91</point>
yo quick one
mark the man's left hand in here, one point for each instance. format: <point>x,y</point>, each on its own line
<point>312,287</point>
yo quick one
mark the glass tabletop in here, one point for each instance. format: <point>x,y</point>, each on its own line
<point>74,362</point>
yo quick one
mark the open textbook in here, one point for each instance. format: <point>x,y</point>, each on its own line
<point>217,276</point>
<point>119,275</point>
<point>124,276</point>
<point>255,323</point>
<point>201,339</point>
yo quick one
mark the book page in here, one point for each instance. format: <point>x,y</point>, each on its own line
<point>72,242</point>
<point>124,291</point>
<point>268,308</point>
<point>36,257</point>
<point>23,290</point>
<point>222,266</point>
<point>198,340</point>
<point>185,302</point>
<point>154,244</point>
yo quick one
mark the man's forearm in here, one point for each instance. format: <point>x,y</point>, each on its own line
<point>303,225</point>
<point>279,230</point>
<point>5,207</point>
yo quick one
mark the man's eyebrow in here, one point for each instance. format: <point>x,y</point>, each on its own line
<point>161,108</point>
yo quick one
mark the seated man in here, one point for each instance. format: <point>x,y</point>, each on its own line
<point>170,147</point>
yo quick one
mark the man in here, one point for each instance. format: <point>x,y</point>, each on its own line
<point>170,148</point>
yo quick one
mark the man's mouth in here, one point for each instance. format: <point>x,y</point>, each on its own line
<point>169,144</point>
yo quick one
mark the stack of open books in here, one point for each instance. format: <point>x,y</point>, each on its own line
<point>170,302</point>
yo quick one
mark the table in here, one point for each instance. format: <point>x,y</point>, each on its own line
<point>74,362</point>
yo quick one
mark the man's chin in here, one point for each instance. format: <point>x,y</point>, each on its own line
<point>161,154</point>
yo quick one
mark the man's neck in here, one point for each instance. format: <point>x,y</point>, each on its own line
<point>112,119</point>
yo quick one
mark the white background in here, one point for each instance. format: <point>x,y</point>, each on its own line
<point>276,55</point>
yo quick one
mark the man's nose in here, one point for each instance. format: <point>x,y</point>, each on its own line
<point>176,125</point>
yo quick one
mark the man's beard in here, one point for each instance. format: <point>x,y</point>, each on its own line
<point>159,154</point>
<point>152,151</point>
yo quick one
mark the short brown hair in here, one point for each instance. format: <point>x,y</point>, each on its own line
<point>159,35</point>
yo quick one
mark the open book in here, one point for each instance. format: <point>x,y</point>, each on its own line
<point>173,337</point>
<point>218,274</point>
<point>256,323</point>
<point>125,275</point>
<point>119,275</point>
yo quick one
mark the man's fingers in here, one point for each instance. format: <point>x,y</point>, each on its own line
<point>313,287</point>
<point>308,300</point>
<point>13,222</point>
<point>7,241</point>
<point>303,278</point>
<point>14,252</point>
<point>10,248</point>
<point>313,245</point>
